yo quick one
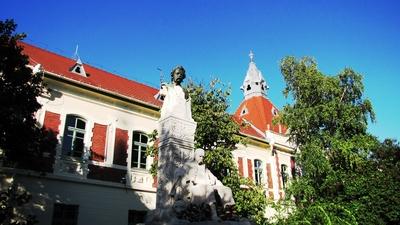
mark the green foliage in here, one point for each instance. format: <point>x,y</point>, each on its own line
<point>20,138</point>
<point>217,134</point>
<point>12,198</point>
<point>343,180</point>
<point>373,190</point>
<point>251,201</point>
<point>22,142</point>
<point>152,151</point>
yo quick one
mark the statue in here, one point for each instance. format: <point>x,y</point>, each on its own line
<point>187,191</point>
<point>195,184</point>
<point>176,101</point>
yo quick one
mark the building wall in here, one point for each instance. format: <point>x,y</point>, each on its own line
<point>271,177</point>
<point>96,111</point>
<point>105,189</point>
<point>99,203</point>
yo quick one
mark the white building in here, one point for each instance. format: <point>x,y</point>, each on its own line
<point>100,171</point>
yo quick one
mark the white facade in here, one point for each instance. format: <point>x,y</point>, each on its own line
<point>105,190</point>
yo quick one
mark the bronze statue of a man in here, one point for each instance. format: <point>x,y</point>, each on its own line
<point>178,74</point>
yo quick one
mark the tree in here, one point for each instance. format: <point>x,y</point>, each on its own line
<point>12,199</point>
<point>374,189</point>
<point>218,135</point>
<point>328,121</point>
<point>216,132</point>
<point>21,139</point>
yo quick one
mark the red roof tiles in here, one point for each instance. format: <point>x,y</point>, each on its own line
<point>258,110</point>
<point>247,129</point>
<point>97,78</point>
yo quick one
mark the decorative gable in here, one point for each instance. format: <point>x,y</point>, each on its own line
<point>78,68</point>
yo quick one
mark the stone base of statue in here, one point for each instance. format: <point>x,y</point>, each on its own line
<point>175,150</point>
<point>176,143</point>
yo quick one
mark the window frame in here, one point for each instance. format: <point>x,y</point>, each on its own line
<point>258,171</point>
<point>140,151</point>
<point>71,124</point>
<point>284,175</point>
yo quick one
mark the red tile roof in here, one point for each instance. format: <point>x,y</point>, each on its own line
<point>259,112</point>
<point>97,78</point>
<point>247,129</point>
<point>259,108</point>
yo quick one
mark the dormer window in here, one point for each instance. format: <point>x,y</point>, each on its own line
<point>274,112</point>
<point>78,68</point>
<point>244,111</point>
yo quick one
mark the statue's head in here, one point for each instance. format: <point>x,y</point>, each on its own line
<point>199,155</point>
<point>177,75</point>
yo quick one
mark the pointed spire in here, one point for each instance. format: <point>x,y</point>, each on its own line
<point>78,67</point>
<point>254,83</point>
<point>76,55</point>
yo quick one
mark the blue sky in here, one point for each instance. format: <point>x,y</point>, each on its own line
<point>213,39</point>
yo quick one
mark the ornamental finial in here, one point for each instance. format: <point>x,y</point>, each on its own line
<point>251,55</point>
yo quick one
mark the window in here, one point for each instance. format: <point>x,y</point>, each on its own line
<point>136,217</point>
<point>64,214</point>
<point>77,69</point>
<point>274,111</point>
<point>258,171</point>
<point>284,175</point>
<point>244,111</point>
<point>139,146</point>
<point>74,134</point>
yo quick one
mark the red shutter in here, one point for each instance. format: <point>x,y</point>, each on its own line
<point>52,121</point>
<point>120,147</point>
<point>240,162</point>
<point>250,168</point>
<point>155,182</point>
<point>98,142</point>
<point>269,175</point>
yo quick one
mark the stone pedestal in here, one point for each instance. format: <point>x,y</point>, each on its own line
<point>176,146</point>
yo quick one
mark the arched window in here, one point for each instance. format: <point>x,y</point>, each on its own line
<point>258,171</point>
<point>74,134</point>
<point>139,146</point>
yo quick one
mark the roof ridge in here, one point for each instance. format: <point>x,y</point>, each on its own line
<point>85,64</point>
